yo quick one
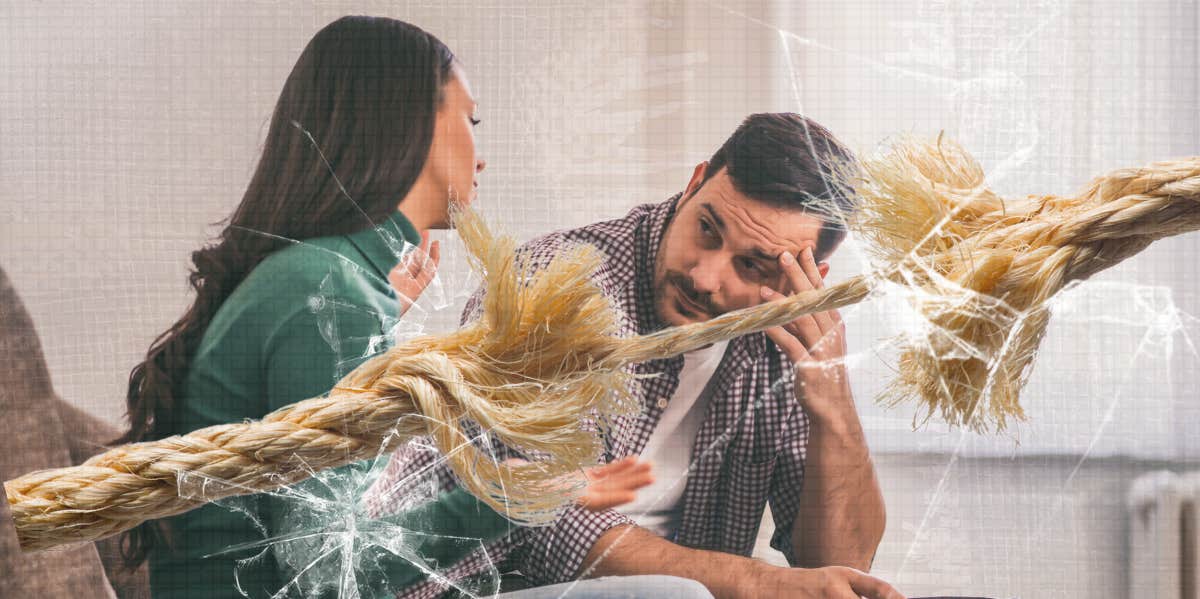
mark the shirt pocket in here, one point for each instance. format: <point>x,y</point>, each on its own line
<point>747,484</point>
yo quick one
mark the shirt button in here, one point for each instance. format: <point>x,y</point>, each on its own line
<point>662,404</point>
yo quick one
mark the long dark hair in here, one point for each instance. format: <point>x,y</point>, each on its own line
<point>359,104</point>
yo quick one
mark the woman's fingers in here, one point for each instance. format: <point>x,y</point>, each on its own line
<point>598,472</point>
<point>615,483</point>
<point>415,271</point>
<point>628,472</point>
<point>400,276</point>
<point>424,246</point>
<point>435,253</point>
<point>426,262</point>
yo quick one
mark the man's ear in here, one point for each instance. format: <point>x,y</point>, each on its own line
<point>697,179</point>
<point>823,268</point>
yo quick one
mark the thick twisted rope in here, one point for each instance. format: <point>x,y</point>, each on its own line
<point>982,268</point>
<point>544,356</point>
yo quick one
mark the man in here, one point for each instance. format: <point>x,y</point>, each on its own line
<point>764,418</point>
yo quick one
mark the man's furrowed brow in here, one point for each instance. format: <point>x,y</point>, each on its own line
<point>757,253</point>
<point>762,254</point>
<point>713,213</point>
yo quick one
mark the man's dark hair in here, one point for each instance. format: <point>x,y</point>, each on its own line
<point>789,161</point>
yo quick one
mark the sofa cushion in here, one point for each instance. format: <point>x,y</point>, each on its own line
<point>33,439</point>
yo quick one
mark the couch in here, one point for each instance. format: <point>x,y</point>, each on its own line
<point>39,430</point>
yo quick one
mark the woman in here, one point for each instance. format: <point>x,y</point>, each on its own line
<point>370,141</point>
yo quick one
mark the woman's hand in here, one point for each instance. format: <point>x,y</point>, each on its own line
<point>615,483</point>
<point>414,272</point>
<point>608,485</point>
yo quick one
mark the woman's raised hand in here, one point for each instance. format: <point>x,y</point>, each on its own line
<point>608,485</point>
<point>615,483</point>
<point>414,272</point>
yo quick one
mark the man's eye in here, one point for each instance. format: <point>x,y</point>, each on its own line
<point>705,227</point>
<point>758,270</point>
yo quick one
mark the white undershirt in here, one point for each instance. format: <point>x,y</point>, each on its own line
<point>670,446</point>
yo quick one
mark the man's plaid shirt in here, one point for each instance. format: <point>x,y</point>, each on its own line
<point>749,450</point>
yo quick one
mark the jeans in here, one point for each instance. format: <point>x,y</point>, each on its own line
<point>618,587</point>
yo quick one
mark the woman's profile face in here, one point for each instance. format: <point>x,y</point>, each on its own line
<point>452,165</point>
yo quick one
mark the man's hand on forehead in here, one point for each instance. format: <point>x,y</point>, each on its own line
<point>785,282</point>
<point>803,336</point>
<point>815,343</point>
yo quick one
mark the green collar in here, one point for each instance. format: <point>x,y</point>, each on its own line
<point>384,243</point>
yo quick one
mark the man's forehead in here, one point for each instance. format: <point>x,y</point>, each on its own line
<point>760,228</point>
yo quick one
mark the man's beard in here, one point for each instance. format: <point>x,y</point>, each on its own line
<point>683,287</point>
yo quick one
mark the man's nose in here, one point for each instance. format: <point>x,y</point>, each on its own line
<point>706,276</point>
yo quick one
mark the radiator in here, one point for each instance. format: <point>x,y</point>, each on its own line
<point>1163,536</point>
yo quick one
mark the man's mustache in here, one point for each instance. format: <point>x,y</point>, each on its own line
<point>685,286</point>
